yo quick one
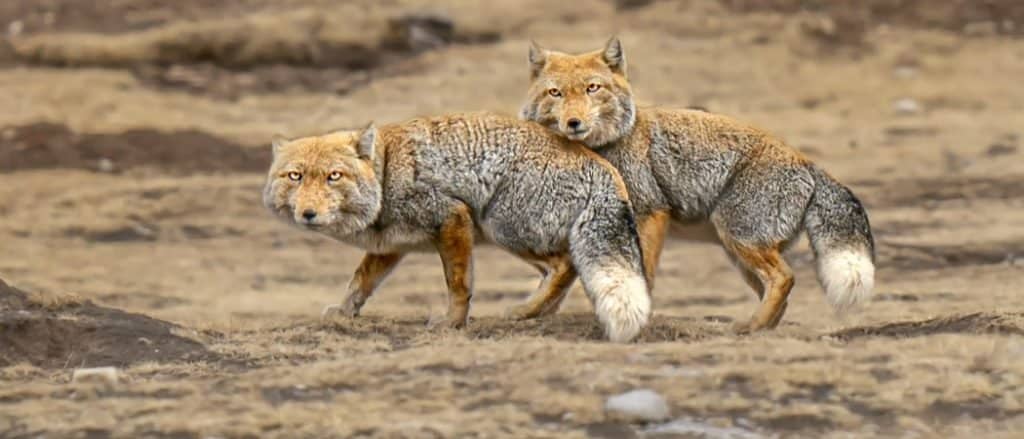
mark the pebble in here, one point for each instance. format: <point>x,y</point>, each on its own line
<point>641,405</point>
<point>105,165</point>
<point>102,375</point>
<point>15,28</point>
<point>906,106</point>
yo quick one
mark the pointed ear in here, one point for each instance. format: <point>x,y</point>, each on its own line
<point>278,141</point>
<point>538,59</point>
<point>613,56</point>
<point>367,140</point>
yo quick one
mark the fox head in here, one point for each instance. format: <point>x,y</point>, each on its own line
<point>584,97</point>
<point>325,183</point>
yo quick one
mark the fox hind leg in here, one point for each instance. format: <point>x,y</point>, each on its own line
<point>756,217</point>
<point>559,275</point>
<point>754,282</point>
<point>775,279</point>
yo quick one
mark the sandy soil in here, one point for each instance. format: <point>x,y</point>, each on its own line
<point>134,134</point>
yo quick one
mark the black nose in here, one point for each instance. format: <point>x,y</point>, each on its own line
<point>309,214</point>
<point>574,123</point>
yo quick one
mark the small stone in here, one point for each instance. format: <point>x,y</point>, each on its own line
<point>906,106</point>
<point>905,72</point>
<point>642,405</point>
<point>102,375</point>
<point>15,28</point>
<point>105,165</point>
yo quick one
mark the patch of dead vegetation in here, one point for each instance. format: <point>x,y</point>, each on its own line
<point>1001,16</point>
<point>910,257</point>
<point>976,323</point>
<point>923,191</point>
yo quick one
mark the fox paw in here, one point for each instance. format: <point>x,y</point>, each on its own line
<point>521,312</point>
<point>439,323</point>
<point>333,311</point>
<point>744,328</point>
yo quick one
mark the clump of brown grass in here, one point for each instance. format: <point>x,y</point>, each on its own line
<point>55,301</point>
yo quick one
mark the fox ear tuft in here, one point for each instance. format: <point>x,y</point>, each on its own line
<point>367,140</point>
<point>614,56</point>
<point>277,141</point>
<point>538,59</point>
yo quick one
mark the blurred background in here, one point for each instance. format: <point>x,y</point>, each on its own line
<point>134,138</point>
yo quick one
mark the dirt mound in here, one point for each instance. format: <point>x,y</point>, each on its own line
<point>248,53</point>
<point>70,333</point>
<point>47,145</point>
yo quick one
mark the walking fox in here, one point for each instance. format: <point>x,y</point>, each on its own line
<point>691,166</point>
<point>443,183</point>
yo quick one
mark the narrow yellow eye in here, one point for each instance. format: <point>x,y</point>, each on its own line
<point>334,176</point>
<point>554,93</point>
<point>593,87</point>
<point>294,176</point>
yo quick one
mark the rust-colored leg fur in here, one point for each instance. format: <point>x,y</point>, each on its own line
<point>652,238</point>
<point>768,273</point>
<point>368,276</point>
<point>559,274</point>
<point>455,246</point>
<point>755,284</point>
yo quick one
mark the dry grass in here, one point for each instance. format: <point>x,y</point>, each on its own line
<point>53,301</point>
<point>937,354</point>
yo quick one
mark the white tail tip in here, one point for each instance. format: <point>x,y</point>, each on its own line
<point>622,304</point>
<point>848,277</point>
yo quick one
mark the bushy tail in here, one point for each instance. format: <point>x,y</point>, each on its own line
<point>840,236</point>
<point>605,249</point>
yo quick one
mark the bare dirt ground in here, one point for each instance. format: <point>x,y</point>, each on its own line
<point>134,134</point>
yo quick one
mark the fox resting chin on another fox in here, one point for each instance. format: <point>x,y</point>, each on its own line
<point>441,184</point>
<point>693,167</point>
